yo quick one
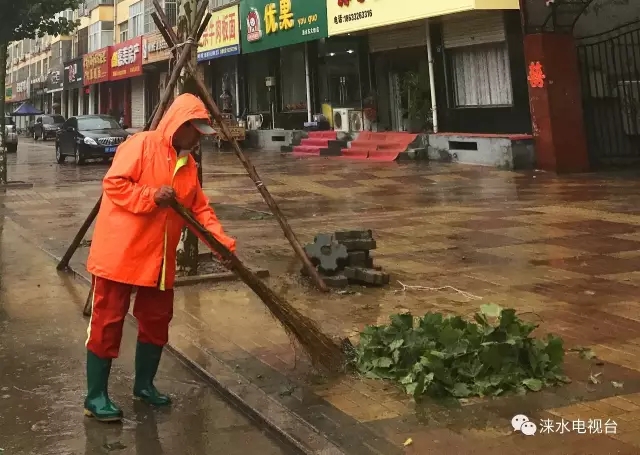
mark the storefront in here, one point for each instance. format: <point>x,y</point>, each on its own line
<point>54,86</point>
<point>462,57</point>
<point>155,65</point>
<point>126,84</point>
<point>96,74</point>
<point>282,40</point>
<point>21,94</point>
<point>218,52</point>
<point>73,88</point>
<point>38,98</point>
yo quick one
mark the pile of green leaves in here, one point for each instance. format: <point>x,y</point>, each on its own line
<point>450,356</point>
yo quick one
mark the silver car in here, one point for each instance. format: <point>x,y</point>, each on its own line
<point>11,135</point>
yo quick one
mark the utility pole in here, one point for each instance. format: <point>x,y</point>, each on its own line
<point>187,252</point>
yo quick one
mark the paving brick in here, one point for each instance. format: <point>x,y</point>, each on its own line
<point>359,259</point>
<point>359,245</point>
<point>354,235</point>
<point>366,276</point>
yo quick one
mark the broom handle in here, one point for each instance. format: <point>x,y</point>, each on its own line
<point>236,265</point>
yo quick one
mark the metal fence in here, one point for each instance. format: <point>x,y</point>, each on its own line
<point>610,73</point>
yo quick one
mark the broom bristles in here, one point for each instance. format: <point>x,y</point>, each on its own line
<point>321,348</point>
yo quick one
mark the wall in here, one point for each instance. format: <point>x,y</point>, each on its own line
<point>102,13</point>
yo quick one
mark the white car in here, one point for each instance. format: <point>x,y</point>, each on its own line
<point>11,135</point>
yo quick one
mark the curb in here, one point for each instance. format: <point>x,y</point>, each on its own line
<point>280,422</point>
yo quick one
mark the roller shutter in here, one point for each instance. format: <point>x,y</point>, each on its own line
<point>398,36</point>
<point>476,27</point>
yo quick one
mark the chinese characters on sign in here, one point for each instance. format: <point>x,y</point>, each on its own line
<point>522,424</point>
<point>126,60</point>
<point>278,23</point>
<point>96,67</point>
<point>221,38</point>
<point>536,75</point>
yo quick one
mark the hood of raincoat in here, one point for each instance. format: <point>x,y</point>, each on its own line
<point>184,108</point>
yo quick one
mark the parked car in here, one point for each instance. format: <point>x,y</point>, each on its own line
<point>46,126</point>
<point>89,137</point>
<point>11,135</point>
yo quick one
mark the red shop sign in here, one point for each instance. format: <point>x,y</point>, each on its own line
<point>96,66</point>
<point>126,59</point>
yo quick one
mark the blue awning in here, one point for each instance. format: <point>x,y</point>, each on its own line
<point>26,109</point>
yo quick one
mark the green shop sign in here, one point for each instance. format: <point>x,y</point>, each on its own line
<point>267,24</point>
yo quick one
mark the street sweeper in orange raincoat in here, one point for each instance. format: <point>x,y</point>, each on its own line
<point>134,245</point>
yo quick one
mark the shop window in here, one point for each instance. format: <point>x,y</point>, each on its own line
<point>481,75</point>
<point>257,71</point>
<point>294,85</point>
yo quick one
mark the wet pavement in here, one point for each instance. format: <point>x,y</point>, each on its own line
<point>563,250</point>
<point>42,381</point>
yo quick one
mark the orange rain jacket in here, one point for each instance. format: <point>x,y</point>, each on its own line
<point>128,244</point>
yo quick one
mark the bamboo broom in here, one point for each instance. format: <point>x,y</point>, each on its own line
<point>321,348</point>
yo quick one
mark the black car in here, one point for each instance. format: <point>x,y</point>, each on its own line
<point>46,126</point>
<point>89,137</point>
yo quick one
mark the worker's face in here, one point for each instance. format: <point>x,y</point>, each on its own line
<point>187,137</point>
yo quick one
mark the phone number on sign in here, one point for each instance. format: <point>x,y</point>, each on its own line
<point>340,18</point>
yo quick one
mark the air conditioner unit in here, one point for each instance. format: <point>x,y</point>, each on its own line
<point>341,119</point>
<point>254,121</point>
<point>357,122</point>
<point>629,94</point>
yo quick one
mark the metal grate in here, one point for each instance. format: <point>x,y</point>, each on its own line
<point>610,80</point>
<point>110,140</point>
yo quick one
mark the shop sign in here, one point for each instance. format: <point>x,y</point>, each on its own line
<point>55,79</point>
<point>8,93</point>
<point>126,60</point>
<point>73,74</point>
<point>268,24</point>
<point>154,48</point>
<point>222,36</point>
<point>22,91</point>
<point>346,16</point>
<point>96,67</point>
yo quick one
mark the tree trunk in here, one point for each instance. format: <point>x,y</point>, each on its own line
<point>3,80</point>
<point>187,252</point>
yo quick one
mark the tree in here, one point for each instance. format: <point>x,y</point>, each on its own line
<point>20,20</point>
<point>187,253</point>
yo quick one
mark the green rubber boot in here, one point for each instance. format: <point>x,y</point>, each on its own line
<point>97,404</point>
<point>147,361</point>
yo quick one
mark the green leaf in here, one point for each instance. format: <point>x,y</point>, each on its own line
<point>491,310</point>
<point>533,384</point>
<point>396,344</point>
<point>461,390</point>
<point>382,362</point>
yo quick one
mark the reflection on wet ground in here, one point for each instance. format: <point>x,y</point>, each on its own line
<point>564,250</point>
<point>42,380</point>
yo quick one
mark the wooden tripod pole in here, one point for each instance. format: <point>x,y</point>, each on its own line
<point>158,113</point>
<point>171,38</point>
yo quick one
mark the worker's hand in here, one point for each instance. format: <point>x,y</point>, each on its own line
<point>164,195</point>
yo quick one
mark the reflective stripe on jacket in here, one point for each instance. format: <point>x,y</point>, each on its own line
<point>128,244</point>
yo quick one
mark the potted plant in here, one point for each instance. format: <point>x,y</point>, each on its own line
<point>416,89</point>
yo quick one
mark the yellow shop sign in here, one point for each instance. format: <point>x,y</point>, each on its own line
<point>346,16</point>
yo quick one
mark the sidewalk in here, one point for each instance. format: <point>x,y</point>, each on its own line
<point>566,249</point>
<point>43,380</point>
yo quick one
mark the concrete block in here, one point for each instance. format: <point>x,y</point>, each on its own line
<point>360,259</point>
<point>359,245</point>
<point>336,281</point>
<point>366,276</point>
<point>363,234</point>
